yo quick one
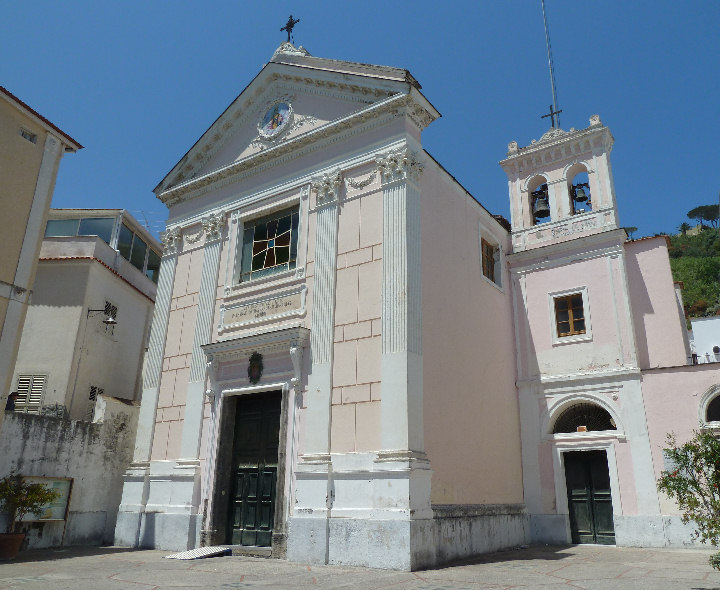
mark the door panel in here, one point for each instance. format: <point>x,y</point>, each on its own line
<point>255,457</point>
<point>589,498</point>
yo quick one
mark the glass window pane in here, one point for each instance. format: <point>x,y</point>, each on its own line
<point>137,257</point>
<point>125,241</point>
<point>61,227</point>
<point>579,326</point>
<point>97,226</point>
<point>153,265</point>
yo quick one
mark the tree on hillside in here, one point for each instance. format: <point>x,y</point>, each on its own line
<point>708,213</point>
<point>684,227</point>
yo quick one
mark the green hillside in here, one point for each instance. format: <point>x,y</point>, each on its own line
<point>695,260</point>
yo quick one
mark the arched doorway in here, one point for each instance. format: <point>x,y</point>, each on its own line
<point>587,476</point>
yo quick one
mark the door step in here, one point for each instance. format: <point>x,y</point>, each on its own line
<point>251,551</point>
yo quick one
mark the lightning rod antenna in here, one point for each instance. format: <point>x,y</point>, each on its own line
<point>550,64</point>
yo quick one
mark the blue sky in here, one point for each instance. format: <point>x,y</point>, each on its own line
<point>138,82</point>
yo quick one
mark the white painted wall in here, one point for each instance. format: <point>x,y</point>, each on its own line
<point>95,455</point>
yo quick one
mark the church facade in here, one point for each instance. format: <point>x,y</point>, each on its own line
<point>352,361</point>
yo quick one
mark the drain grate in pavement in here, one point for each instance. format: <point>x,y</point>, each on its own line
<point>201,552</point>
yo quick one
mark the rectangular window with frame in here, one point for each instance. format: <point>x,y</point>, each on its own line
<point>30,390</point>
<point>489,258</point>
<point>569,315</point>
<point>269,245</point>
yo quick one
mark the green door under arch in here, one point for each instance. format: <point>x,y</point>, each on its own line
<point>589,498</point>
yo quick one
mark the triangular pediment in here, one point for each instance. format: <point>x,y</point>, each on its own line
<point>294,95</point>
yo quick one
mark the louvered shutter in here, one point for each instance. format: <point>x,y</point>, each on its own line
<point>30,389</point>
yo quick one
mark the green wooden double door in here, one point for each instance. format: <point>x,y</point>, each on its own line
<point>255,464</point>
<point>589,497</point>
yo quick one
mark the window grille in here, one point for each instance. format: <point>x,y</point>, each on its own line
<point>584,417</point>
<point>30,390</point>
<point>92,401</point>
<point>269,245</point>
<point>29,135</point>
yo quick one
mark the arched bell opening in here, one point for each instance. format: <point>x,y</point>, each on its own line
<point>579,189</point>
<point>539,200</point>
<point>584,417</point>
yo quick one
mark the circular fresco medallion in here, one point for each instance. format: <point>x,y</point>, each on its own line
<point>276,120</point>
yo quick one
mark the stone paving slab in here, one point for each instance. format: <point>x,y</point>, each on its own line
<point>581,567</point>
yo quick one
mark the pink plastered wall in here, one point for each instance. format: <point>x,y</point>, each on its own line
<point>470,402</point>
<point>659,321</point>
<point>672,402</point>
<point>608,343</point>
<point>178,351</point>
<point>357,346</point>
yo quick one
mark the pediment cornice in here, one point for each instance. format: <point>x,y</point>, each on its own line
<point>372,116</point>
<point>274,79</point>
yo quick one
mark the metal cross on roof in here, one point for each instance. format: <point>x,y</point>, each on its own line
<point>290,26</point>
<point>552,114</point>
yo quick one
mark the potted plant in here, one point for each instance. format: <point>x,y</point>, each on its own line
<point>18,498</point>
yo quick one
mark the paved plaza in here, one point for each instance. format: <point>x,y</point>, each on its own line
<point>583,567</point>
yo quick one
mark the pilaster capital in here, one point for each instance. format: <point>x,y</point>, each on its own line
<point>171,240</point>
<point>400,165</point>
<point>213,226</point>
<point>327,187</point>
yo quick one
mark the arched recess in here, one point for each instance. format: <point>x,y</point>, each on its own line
<point>538,197</point>
<point>604,410</point>
<point>578,188</point>
<point>709,408</point>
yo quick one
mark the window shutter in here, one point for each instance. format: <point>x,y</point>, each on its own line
<point>30,389</point>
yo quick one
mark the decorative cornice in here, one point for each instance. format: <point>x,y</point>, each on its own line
<point>327,187</point>
<point>171,240</point>
<point>400,165</point>
<point>556,145</point>
<point>286,338</point>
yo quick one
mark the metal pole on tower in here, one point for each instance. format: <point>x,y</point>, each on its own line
<point>550,63</point>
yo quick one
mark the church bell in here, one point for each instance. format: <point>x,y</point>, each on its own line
<point>580,195</point>
<point>540,208</point>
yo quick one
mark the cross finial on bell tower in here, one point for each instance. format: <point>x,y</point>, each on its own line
<point>552,114</point>
<point>290,25</point>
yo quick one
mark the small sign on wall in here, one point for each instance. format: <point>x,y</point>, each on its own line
<point>56,510</point>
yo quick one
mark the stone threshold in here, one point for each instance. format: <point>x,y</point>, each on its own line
<point>250,551</point>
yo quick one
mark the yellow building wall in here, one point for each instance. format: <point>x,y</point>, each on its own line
<point>18,176</point>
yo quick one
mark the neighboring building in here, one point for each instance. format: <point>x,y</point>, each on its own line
<point>352,361</point>
<point>78,369</point>
<point>30,151</point>
<point>94,264</point>
<point>705,342</point>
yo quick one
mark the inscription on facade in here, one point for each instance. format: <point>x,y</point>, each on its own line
<point>265,309</point>
<point>574,227</point>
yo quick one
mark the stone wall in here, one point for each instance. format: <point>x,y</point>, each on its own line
<point>95,455</point>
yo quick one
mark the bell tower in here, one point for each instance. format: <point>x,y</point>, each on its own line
<point>561,186</point>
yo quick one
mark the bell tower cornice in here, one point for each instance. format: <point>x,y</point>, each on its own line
<point>561,186</point>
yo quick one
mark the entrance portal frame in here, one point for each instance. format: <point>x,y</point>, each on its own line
<point>287,344</point>
<point>598,443</point>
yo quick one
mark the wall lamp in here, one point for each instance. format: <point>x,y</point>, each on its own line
<point>108,321</point>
